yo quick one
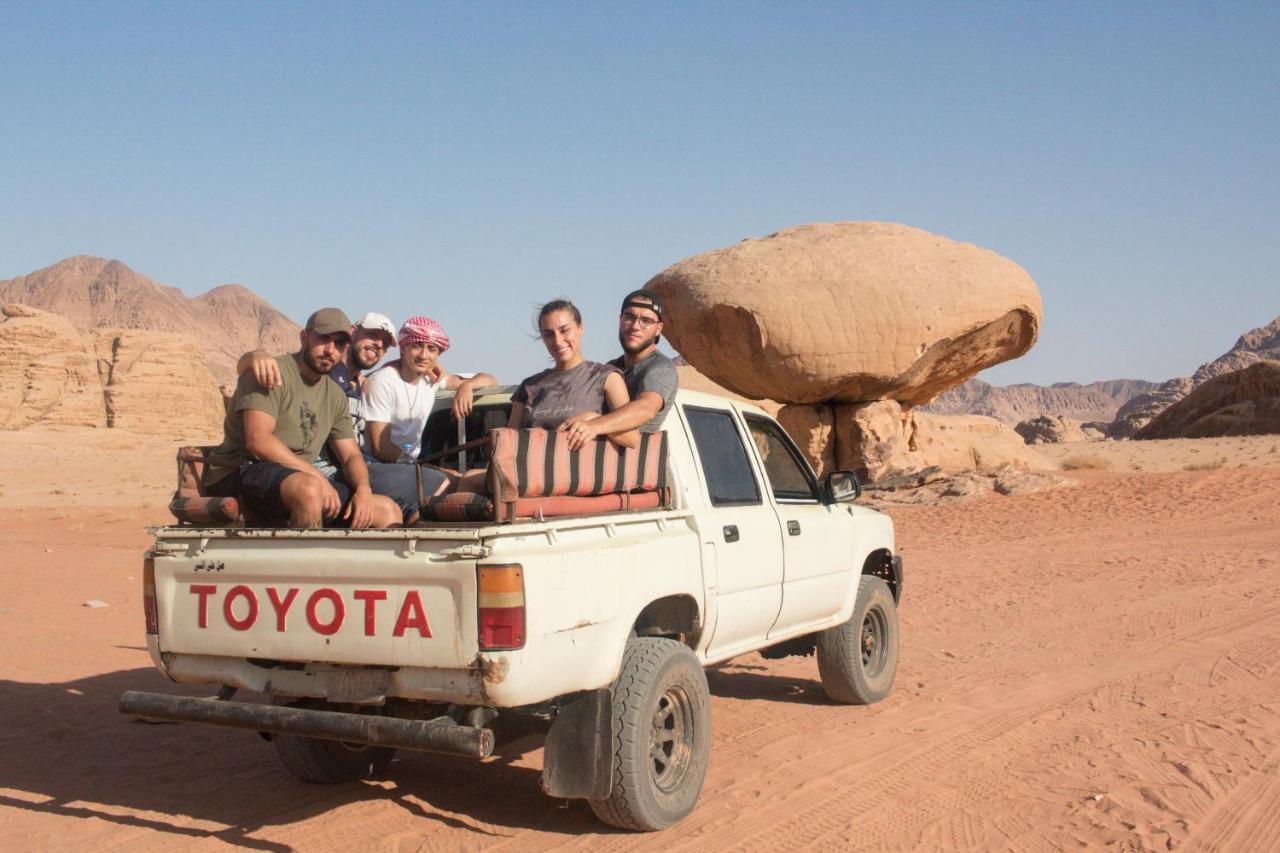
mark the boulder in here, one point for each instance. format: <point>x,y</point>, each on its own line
<point>47,372</point>
<point>158,383</point>
<point>848,312</point>
<point>1140,410</point>
<point>1049,429</point>
<point>1246,402</point>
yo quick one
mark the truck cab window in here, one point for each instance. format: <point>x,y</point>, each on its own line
<point>730,481</point>
<point>788,477</point>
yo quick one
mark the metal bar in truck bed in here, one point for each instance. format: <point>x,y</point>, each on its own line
<point>424,735</point>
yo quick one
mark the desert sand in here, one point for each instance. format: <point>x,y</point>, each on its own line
<point>1086,666</point>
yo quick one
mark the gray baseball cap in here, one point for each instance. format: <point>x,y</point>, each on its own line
<point>329,321</point>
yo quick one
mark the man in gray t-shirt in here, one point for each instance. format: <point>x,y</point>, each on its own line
<point>650,376</point>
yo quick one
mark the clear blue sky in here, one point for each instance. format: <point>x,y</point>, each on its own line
<point>469,161</point>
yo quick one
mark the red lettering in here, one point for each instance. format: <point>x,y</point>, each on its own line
<point>339,611</point>
<point>203,590</point>
<point>281,607</point>
<point>240,591</point>
<point>370,597</point>
<point>412,616</point>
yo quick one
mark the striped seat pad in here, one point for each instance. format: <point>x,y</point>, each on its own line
<point>537,463</point>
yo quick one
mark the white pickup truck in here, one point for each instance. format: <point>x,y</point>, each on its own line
<point>597,627</point>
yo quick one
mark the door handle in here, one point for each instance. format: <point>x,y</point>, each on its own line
<point>731,533</point>
<point>793,527</point>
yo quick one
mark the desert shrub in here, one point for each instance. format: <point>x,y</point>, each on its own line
<point>1082,463</point>
<point>1211,465</point>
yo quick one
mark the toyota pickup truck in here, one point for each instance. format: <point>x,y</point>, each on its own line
<point>583,601</point>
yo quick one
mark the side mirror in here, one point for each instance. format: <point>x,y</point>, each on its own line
<point>841,487</point>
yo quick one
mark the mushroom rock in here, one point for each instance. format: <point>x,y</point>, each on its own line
<point>847,312</point>
<point>811,428</point>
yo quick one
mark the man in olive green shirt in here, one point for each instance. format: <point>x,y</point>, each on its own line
<point>270,453</point>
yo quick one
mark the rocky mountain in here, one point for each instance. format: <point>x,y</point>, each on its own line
<point>1260,344</point>
<point>94,293</point>
<point>1242,402</point>
<point>1012,404</point>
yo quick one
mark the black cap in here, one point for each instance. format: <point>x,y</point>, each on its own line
<point>644,299</point>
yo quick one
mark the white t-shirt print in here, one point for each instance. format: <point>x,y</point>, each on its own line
<point>389,399</point>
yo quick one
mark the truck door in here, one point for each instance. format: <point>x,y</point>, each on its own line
<point>741,526</point>
<point>817,570</point>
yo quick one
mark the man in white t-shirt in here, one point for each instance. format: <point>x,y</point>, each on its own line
<point>395,402</point>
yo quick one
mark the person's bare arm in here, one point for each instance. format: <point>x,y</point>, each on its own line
<point>264,368</point>
<point>615,397</point>
<point>585,426</point>
<point>260,440</point>
<point>464,399</point>
<point>516,421</point>
<point>379,435</point>
<point>360,510</point>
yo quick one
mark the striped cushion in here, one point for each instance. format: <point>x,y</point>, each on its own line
<point>461,506</point>
<point>189,504</point>
<point>204,511</point>
<point>537,463</point>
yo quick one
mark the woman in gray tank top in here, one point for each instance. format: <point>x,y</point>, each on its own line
<point>574,385</point>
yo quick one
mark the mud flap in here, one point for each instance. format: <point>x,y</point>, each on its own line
<point>578,760</point>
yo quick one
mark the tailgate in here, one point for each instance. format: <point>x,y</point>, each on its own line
<point>355,601</point>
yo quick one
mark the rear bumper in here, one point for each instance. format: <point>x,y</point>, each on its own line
<point>423,735</point>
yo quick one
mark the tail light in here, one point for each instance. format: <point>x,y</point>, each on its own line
<point>501,601</point>
<point>149,611</point>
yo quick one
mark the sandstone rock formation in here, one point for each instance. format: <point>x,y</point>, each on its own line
<point>882,441</point>
<point>1245,402</point>
<point>158,383</point>
<point>1139,411</point>
<point>1049,429</point>
<point>148,382</point>
<point>850,311</point>
<point>48,373</point>
<point>1097,401</point>
<point>94,293</point>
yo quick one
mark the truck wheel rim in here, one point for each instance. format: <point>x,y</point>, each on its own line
<point>670,739</point>
<point>874,631</point>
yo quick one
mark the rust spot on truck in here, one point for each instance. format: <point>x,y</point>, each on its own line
<point>495,671</point>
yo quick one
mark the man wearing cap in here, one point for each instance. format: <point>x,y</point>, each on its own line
<point>270,456</point>
<point>394,405</point>
<point>650,376</point>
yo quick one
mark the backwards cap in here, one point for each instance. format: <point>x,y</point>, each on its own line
<point>644,299</point>
<point>423,330</point>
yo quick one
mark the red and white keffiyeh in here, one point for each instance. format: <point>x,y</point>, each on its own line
<point>423,330</point>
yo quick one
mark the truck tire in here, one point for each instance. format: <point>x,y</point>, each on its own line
<point>661,736</point>
<point>858,659</point>
<point>330,762</point>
